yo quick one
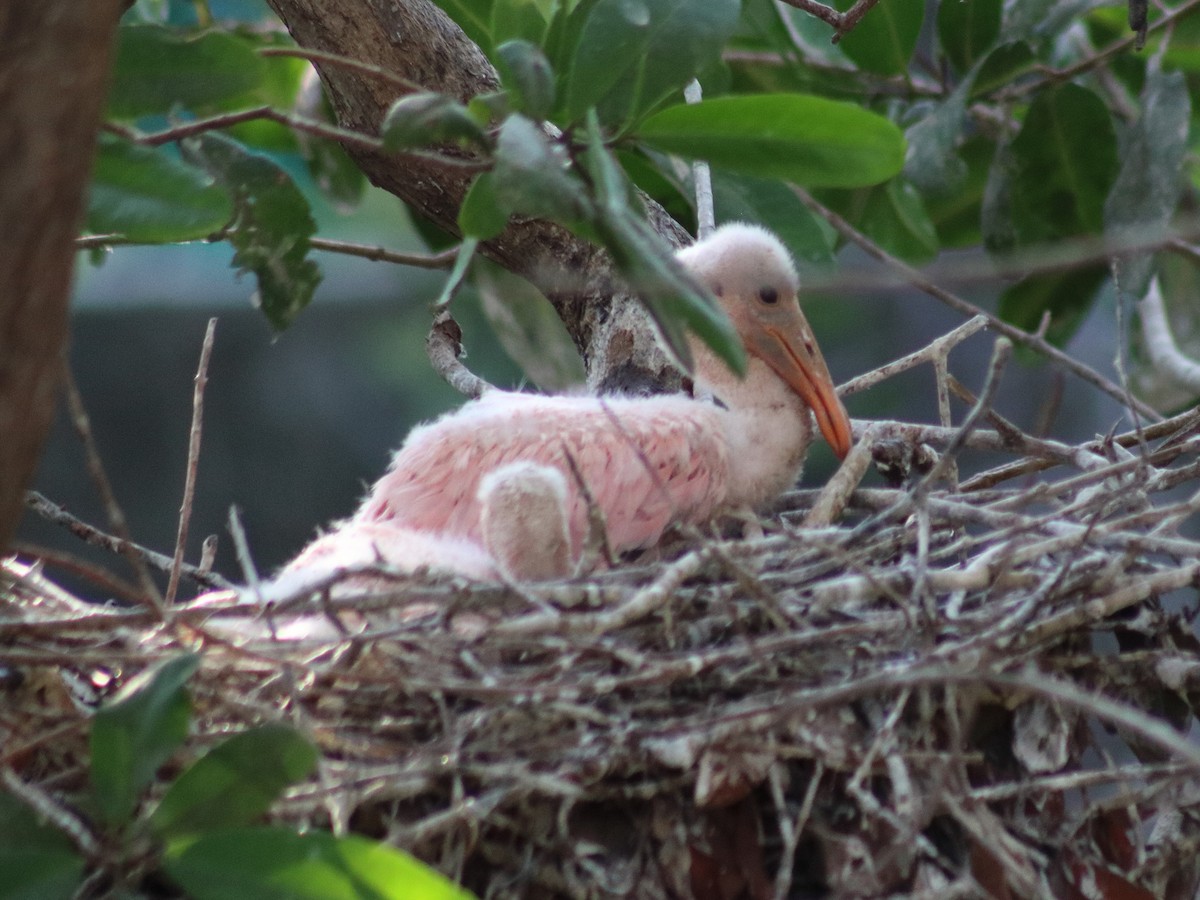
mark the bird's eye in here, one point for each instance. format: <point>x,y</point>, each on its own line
<point>768,295</point>
<point>718,290</point>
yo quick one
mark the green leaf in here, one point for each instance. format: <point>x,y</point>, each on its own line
<point>672,297</point>
<point>794,137</point>
<point>526,73</point>
<point>654,174</point>
<point>1067,296</point>
<point>895,218</point>
<point>334,173</point>
<point>278,864</point>
<point>529,329</point>
<point>37,862</point>
<point>481,215</point>
<point>1065,161</point>
<point>1147,190</point>
<point>235,782</point>
<point>473,17</point>
<point>932,163</point>
<point>525,20</point>
<point>883,41</point>
<point>272,227</point>
<point>957,216</point>
<point>532,176</point>
<point>136,733</point>
<point>158,69</point>
<point>632,54</point>
<point>967,29</point>
<point>739,198</point>
<point>1002,66</point>
<point>330,166</point>
<point>148,196</point>
<point>418,120</point>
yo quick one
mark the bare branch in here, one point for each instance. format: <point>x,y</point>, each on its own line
<point>919,281</point>
<point>1160,343</point>
<point>193,461</point>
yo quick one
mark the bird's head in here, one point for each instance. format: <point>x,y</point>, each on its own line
<point>752,274</point>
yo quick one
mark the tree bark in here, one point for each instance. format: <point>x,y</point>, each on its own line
<point>416,40</point>
<point>53,81</point>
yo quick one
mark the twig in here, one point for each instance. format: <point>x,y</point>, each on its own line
<point>833,497</point>
<point>441,260</point>
<point>49,809</point>
<point>444,346</point>
<point>1160,343</point>
<point>52,512</point>
<point>101,577</point>
<point>706,221</point>
<point>193,461</point>
<point>937,348</point>
<point>304,125</point>
<point>919,281</point>
<point>444,342</point>
<point>343,62</point>
<point>116,517</point>
<point>843,22</point>
<point>1099,58</point>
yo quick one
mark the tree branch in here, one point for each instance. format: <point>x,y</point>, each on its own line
<point>415,42</point>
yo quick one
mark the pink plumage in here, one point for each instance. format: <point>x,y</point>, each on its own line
<point>489,489</point>
<point>646,462</point>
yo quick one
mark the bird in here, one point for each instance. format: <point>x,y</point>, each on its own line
<point>502,486</point>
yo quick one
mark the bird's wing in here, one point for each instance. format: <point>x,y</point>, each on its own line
<point>647,462</point>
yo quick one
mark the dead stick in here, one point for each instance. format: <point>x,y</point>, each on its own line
<point>193,459</point>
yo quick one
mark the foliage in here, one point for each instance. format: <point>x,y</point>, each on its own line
<point>990,124</point>
<point>202,832</point>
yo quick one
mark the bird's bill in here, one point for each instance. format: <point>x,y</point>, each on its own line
<point>807,375</point>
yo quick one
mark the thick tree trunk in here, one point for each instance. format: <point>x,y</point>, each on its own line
<point>414,39</point>
<point>53,78</point>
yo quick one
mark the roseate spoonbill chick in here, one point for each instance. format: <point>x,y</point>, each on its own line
<point>497,475</point>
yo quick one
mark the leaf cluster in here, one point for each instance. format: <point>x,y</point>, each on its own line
<point>1033,130</point>
<point>204,833</point>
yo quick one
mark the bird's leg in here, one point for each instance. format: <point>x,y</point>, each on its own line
<point>524,521</point>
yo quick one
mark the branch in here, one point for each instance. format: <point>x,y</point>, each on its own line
<point>919,281</point>
<point>843,22</point>
<point>193,459</point>
<point>1160,343</point>
<point>605,320</point>
<point>52,512</point>
<point>706,221</point>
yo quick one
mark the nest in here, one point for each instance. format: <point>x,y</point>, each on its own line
<point>957,686</point>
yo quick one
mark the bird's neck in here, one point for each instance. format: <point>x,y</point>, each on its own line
<point>768,428</point>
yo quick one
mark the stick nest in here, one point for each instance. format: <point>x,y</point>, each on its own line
<point>972,690</point>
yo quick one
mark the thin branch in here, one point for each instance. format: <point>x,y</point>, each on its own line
<point>706,221</point>
<point>442,260</point>
<point>842,22</point>
<point>919,281</point>
<point>444,342</point>
<point>116,517</point>
<point>1097,59</point>
<point>51,810</point>
<point>101,577</point>
<point>345,62</point>
<point>52,512</point>
<point>344,136</point>
<point>1160,342</point>
<point>193,460</point>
